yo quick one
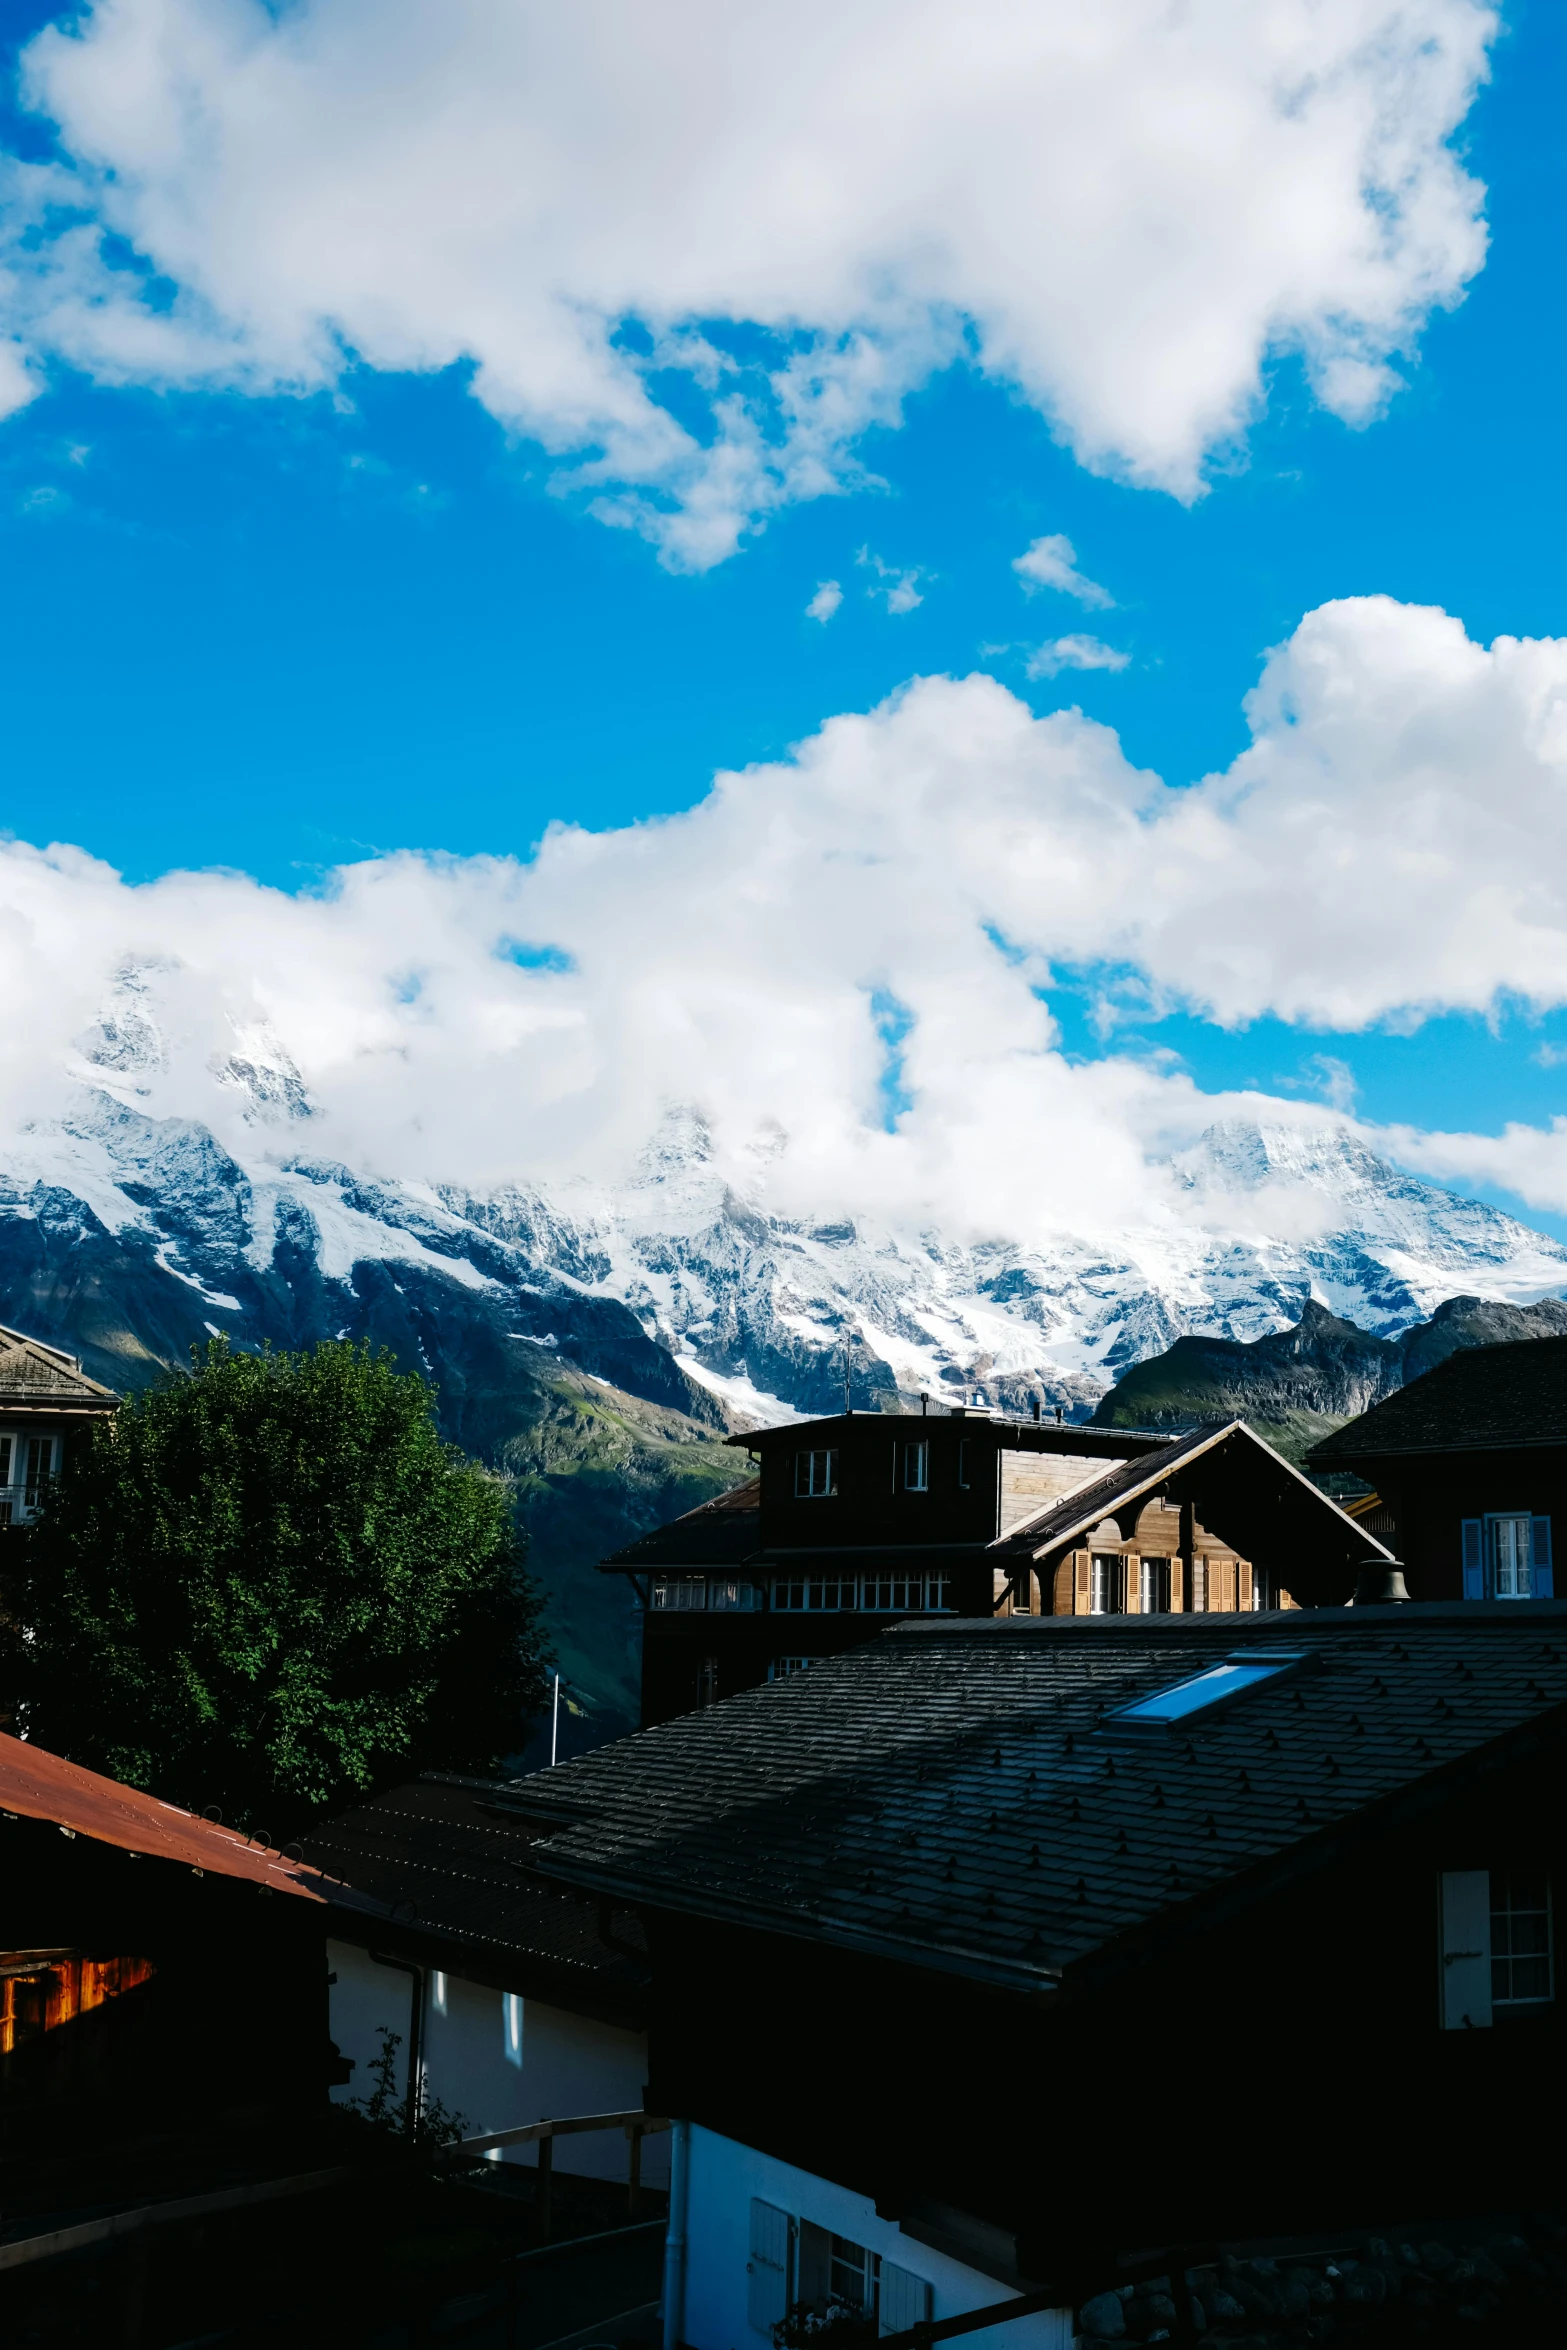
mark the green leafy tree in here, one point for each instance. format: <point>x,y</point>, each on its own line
<point>272,1586</point>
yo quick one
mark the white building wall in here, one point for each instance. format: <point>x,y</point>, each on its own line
<point>497,2060</point>
<point>725,2175</point>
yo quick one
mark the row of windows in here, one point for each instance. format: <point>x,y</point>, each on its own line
<point>1119,1586</point>
<point>879,1594</point>
<point>816,1472</point>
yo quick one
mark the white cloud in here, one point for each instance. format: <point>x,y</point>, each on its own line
<point>825,602</point>
<point>900,590</point>
<point>1074,652</point>
<point>1052,563</point>
<point>1392,842</point>
<point>1122,214</point>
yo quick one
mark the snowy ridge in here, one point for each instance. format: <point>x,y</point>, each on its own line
<point>744,1307</point>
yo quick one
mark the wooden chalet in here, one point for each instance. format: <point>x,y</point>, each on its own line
<point>857,1521</point>
<point>1468,1470</point>
<point>1012,1957</point>
<point>45,1398</point>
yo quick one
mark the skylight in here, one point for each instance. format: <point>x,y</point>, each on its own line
<point>1232,1678</point>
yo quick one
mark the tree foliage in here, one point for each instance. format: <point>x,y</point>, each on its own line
<point>273,1587</point>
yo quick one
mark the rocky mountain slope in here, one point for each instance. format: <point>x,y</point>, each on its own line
<point>1296,1386</point>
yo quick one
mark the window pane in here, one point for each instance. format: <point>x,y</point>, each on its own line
<point>1510,1577</point>
<point>916,1467</point>
<point>1189,1697</point>
<point>1520,1936</point>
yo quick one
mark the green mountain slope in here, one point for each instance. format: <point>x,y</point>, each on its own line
<point>594,1468</point>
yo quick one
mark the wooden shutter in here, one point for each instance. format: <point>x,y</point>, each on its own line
<point>1466,1949</point>
<point>1540,1584</point>
<point>1177,1586</point>
<point>1131,1586</point>
<point>904,2300</point>
<point>1244,1590</point>
<point>767,2270</point>
<point>813,2284</point>
<point>1474,1558</point>
<point>1082,1583</point>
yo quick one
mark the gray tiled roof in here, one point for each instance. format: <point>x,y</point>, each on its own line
<point>37,1377</point>
<point>1486,1398</point>
<point>944,1795</point>
<point>719,1533</point>
<point>450,1859</point>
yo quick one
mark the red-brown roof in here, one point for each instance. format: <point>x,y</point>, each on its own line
<point>37,1785</point>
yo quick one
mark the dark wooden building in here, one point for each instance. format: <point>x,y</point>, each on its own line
<point>858,1521</point>
<point>994,1952</point>
<point>156,1969</point>
<point>1469,1470</point>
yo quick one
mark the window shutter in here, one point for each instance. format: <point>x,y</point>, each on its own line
<point>1474,1558</point>
<point>904,2300</point>
<point>1131,1586</point>
<point>1540,1584</point>
<point>813,2284</point>
<point>1177,1587</point>
<point>1244,1591</point>
<point>767,2270</point>
<point>1082,1583</point>
<point>1466,1949</point>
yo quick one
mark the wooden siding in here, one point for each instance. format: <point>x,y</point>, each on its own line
<point>1031,1481</point>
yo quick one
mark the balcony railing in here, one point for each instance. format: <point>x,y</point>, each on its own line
<point>19,1503</point>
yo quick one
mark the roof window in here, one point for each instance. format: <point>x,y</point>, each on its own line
<point>1200,1692</point>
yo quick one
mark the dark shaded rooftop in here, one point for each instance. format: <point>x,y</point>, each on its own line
<point>450,1858</point>
<point>946,1795</point>
<point>1486,1399</point>
<point>721,1533</point>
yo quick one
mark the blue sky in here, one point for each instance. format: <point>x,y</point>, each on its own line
<point>278,632</point>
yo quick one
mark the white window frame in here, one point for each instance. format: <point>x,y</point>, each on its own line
<point>1495,1520</point>
<point>1105,1570</point>
<point>678,1594</point>
<point>816,1473</point>
<point>916,1465</point>
<point>1500,1879</point>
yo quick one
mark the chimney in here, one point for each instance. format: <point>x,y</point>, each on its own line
<point>1036,1411</point>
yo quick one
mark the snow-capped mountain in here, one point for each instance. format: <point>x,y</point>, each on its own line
<point>125,1234</point>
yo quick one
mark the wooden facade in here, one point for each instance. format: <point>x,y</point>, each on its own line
<point>1468,1470</point>
<point>856,1522</point>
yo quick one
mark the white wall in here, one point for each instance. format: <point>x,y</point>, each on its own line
<point>569,2063</point>
<point>724,2177</point>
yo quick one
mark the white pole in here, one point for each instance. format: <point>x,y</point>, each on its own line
<point>555,1723</point>
<point>675,2240</point>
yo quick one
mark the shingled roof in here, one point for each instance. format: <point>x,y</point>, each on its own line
<point>949,1795</point>
<point>725,1532</point>
<point>448,1858</point>
<point>43,1379</point>
<point>1483,1399</point>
